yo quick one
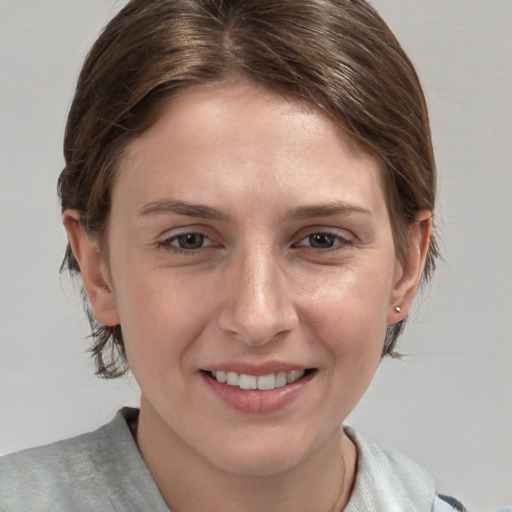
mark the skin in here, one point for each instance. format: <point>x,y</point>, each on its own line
<point>276,171</point>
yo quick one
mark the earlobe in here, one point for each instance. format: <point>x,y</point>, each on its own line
<point>409,272</point>
<point>93,269</point>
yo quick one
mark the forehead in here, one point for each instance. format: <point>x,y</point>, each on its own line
<point>240,138</point>
<point>242,104</point>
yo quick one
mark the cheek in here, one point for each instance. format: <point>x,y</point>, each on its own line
<point>348,312</point>
<point>160,314</point>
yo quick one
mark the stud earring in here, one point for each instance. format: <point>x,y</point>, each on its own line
<point>398,309</point>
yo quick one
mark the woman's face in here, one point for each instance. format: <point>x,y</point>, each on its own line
<point>249,240</point>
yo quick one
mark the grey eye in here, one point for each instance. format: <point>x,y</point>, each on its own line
<point>189,241</point>
<point>322,240</point>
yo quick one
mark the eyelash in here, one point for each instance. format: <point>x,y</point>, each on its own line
<point>338,242</point>
<point>167,244</point>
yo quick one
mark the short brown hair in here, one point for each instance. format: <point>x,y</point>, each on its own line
<point>338,54</point>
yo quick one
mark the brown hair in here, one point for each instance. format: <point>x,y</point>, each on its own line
<point>338,54</point>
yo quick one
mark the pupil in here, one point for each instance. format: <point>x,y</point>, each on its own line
<point>191,241</point>
<point>321,240</point>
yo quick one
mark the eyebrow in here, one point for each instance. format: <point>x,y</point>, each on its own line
<point>182,208</point>
<point>325,210</point>
<point>208,212</point>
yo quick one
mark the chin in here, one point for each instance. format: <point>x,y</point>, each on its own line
<point>259,466</point>
<point>261,456</point>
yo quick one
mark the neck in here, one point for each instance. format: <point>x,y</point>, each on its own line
<point>188,482</point>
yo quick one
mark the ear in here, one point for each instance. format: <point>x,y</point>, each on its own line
<point>408,273</point>
<point>94,270</point>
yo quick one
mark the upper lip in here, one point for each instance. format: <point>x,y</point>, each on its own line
<point>256,369</point>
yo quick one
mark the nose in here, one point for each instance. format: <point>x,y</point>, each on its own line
<point>259,303</point>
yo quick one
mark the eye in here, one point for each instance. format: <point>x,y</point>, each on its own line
<point>187,241</point>
<point>323,240</point>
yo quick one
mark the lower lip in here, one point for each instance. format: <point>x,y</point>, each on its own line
<point>258,402</point>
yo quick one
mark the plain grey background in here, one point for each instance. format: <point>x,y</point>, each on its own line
<point>448,404</point>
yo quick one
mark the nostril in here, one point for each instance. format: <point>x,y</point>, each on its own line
<point>257,328</point>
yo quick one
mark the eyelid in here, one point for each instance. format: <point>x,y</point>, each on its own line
<point>205,239</point>
<point>169,236</point>
<point>345,236</point>
<point>339,241</point>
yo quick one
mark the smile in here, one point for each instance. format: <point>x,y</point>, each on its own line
<point>263,393</point>
<point>253,382</point>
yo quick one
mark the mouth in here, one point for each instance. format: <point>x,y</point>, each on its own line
<point>258,382</point>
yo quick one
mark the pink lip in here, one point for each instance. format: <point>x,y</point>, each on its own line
<point>257,402</point>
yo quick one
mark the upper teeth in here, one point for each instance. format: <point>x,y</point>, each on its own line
<point>263,382</point>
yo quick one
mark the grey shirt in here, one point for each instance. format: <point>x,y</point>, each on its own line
<point>104,471</point>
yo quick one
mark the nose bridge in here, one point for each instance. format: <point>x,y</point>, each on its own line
<point>259,281</point>
<point>259,305</point>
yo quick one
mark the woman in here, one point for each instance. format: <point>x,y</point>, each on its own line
<point>248,197</point>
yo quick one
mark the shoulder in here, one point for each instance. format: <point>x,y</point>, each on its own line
<point>63,459</point>
<point>388,480</point>
<point>53,476</point>
<point>87,472</point>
